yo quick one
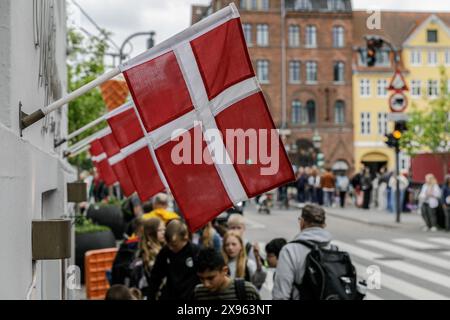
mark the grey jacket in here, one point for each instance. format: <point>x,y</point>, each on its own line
<point>291,263</point>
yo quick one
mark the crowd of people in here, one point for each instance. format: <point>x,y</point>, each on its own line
<point>369,190</point>
<point>162,260</point>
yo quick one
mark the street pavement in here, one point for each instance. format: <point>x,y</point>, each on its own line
<point>412,264</point>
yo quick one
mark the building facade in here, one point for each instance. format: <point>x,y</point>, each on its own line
<point>302,57</point>
<point>421,41</point>
<point>33,175</point>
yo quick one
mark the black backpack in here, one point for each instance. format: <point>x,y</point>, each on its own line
<point>329,275</point>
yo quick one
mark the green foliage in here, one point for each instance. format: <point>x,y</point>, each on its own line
<point>429,129</point>
<point>85,63</point>
<point>84,225</point>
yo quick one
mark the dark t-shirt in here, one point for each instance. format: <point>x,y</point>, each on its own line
<point>201,293</point>
<point>180,270</point>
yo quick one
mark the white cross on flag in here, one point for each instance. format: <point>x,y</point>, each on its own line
<point>117,163</point>
<point>137,154</point>
<point>200,102</point>
<point>100,160</point>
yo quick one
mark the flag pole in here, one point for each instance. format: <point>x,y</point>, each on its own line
<point>81,144</point>
<point>79,131</point>
<point>74,154</point>
<point>93,123</point>
<point>28,120</point>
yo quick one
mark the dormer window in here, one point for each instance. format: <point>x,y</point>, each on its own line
<point>336,5</point>
<point>432,36</point>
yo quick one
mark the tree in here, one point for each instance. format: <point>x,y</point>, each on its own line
<point>85,63</point>
<point>429,129</point>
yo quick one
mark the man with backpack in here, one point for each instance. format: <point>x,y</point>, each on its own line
<point>309,268</point>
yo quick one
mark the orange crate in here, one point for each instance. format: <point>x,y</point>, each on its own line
<point>96,263</point>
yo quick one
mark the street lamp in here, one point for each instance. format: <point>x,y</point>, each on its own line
<point>150,42</point>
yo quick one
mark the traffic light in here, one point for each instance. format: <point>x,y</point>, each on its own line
<point>391,139</point>
<point>400,126</point>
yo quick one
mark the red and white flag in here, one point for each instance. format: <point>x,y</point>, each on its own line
<point>198,84</point>
<point>117,163</point>
<point>100,161</point>
<point>135,151</point>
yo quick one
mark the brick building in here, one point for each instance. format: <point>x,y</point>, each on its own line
<point>315,98</point>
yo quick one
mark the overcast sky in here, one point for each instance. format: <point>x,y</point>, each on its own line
<point>168,17</point>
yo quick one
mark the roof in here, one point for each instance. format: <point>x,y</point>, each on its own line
<point>396,26</point>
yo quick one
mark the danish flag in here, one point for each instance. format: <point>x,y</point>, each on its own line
<point>198,82</point>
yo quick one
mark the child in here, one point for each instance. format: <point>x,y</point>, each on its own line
<point>216,283</point>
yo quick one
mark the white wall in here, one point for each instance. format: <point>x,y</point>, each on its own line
<point>30,169</point>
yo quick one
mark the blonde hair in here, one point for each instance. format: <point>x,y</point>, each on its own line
<point>241,259</point>
<point>149,245</point>
<point>207,239</point>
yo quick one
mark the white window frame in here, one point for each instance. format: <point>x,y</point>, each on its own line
<point>416,88</point>
<point>341,71</point>
<point>260,66</point>
<point>365,123</point>
<point>432,58</point>
<point>262,35</point>
<point>298,119</point>
<point>433,85</point>
<point>294,36</point>
<point>416,57</point>
<point>336,118</point>
<point>310,67</point>
<point>364,88</point>
<point>338,37</point>
<point>447,57</point>
<point>382,123</point>
<point>247,28</point>
<point>311,36</point>
<point>295,65</point>
<point>382,90</point>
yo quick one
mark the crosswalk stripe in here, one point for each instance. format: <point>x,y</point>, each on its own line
<point>415,244</point>
<point>400,286</point>
<point>429,259</point>
<point>252,224</point>
<point>371,296</point>
<point>401,266</point>
<point>444,241</point>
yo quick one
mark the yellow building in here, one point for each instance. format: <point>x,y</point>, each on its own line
<point>422,41</point>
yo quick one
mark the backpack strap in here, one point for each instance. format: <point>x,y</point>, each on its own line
<point>309,244</point>
<point>239,286</point>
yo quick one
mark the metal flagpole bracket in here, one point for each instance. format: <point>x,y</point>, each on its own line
<point>59,142</point>
<point>26,120</point>
<point>21,116</point>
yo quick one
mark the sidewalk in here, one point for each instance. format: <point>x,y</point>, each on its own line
<point>374,217</point>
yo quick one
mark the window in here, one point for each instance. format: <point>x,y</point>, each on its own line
<point>339,70</point>
<point>303,5</point>
<point>432,36</point>
<point>433,88</point>
<point>311,36</point>
<point>338,37</point>
<point>365,122</point>
<point>416,88</point>
<point>247,33</point>
<point>294,71</point>
<point>416,57</point>
<point>294,36</point>
<point>262,35</point>
<point>311,72</point>
<point>382,88</point>
<point>383,58</point>
<point>339,112</point>
<point>364,87</point>
<point>336,5</point>
<point>255,5</point>
<point>262,67</point>
<point>432,58</point>
<point>296,110</point>
<point>311,111</point>
<point>447,57</point>
<point>382,123</point>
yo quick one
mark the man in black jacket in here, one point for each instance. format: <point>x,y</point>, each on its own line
<point>177,263</point>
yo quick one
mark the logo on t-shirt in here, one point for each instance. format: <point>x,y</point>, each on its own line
<point>189,262</point>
